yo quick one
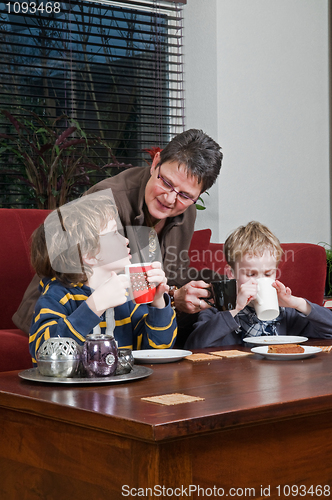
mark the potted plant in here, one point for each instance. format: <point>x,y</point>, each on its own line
<point>53,161</point>
<point>328,282</point>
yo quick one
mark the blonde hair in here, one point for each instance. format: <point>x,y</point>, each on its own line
<point>70,232</point>
<point>253,239</point>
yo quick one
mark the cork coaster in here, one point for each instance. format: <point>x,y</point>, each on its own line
<point>325,348</point>
<point>172,399</point>
<point>230,354</point>
<point>201,356</point>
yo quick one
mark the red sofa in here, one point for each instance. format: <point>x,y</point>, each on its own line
<point>17,226</point>
<point>303,268</point>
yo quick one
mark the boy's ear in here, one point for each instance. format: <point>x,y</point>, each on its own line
<point>90,261</point>
<point>229,272</point>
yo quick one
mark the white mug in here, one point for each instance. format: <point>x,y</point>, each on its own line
<point>266,302</point>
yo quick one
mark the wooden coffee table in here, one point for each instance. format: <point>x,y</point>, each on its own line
<point>262,428</point>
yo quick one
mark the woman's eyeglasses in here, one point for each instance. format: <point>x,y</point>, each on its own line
<point>167,186</point>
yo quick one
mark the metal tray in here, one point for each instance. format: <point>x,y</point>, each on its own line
<point>138,372</point>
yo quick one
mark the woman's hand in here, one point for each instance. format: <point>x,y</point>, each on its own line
<point>189,297</point>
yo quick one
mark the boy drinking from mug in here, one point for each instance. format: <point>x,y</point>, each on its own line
<point>79,253</point>
<point>253,252</point>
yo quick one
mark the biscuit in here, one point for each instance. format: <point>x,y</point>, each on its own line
<point>230,354</point>
<point>172,399</point>
<point>201,356</point>
<point>325,348</point>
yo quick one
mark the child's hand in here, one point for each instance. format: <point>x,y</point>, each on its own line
<point>246,294</point>
<point>286,299</point>
<point>111,293</point>
<point>157,275</point>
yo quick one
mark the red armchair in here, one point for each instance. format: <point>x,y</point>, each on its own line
<point>303,269</point>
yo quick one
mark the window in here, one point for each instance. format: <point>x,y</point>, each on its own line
<point>113,66</point>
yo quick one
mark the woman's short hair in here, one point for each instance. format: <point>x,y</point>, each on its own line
<point>200,154</point>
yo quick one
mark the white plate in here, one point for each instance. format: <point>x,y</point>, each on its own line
<point>160,355</point>
<point>275,339</point>
<point>308,351</point>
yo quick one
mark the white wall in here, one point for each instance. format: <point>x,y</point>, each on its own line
<point>201,86</point>
<point>256,74</point>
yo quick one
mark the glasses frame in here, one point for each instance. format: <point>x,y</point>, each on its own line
<point>178,193</point>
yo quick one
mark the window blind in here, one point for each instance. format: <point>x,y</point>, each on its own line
<point>116,67</point>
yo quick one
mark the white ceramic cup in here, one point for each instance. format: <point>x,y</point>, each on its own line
<point>266,302</point>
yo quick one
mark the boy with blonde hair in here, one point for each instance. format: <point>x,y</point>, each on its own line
<point>253,252</point>
<point>79,254</point>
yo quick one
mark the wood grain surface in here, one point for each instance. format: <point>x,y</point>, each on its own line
<point>261,424</point>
